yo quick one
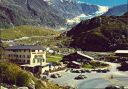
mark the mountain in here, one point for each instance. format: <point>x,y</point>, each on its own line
<point>48,13</point>
<point>34,12</point>
<point>117,10</point>
<point>103,33</point>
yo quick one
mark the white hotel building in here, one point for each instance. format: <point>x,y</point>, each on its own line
<point>27,55</point>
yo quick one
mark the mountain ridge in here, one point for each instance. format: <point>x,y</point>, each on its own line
<point>117,10</point>
<point>44,12</point>
<point>103,33</point>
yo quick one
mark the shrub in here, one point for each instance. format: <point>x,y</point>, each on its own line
<point>13,74</point>
<point>22,79</point>
<point>8,72</point>
<point>94,64</point>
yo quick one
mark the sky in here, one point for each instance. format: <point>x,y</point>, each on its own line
<point>109,3</point>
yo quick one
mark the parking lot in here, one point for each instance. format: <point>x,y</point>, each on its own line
<point>94,78</point>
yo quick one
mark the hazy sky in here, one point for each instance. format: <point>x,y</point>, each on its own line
<point>110,3</point>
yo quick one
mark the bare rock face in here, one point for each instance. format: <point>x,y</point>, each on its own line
<point>32,12</point>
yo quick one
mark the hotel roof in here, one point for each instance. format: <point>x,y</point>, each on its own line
<point>25,47</point>
<point>121,51</point>
<point>78,52</point>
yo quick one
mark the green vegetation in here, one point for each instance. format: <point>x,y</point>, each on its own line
<point>54,57</point>
<point>1,50</point>
<point>26,31</point>
<point>13,75</point>
<point>93,65</point>
<point>29,35</point>
<point>103,33</point>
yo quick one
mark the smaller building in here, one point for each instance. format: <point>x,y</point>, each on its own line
<point>74,64</point>
<point>77,57</point>
<point>122,53</point>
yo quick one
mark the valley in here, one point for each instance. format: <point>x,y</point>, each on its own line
<point>46,13</point>
<point>63,44</point>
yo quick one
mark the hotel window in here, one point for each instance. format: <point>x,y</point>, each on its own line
<point>33,50</point>
<point>23,56</point>
<point>9,55</point>
<point>19,50</point>
<point>34,61</point>
<point>14,50</point>
<point>16,55</point>
<point>20,56</point>
<point>28,56</point>
<point>38,60</point>
<point>28,61</point>
<point>35,56</point>
<point>42,60</point>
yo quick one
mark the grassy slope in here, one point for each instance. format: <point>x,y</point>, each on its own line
<point>107,33</point>
<point>37,35</point>
<point>54,58</point>
<point>26,31</point>
<point>13,74</point>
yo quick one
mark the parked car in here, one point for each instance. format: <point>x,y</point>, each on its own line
<point>55,75</point>
<point>105,71</point>
<point>102,70</point>
<point>98,71</point>
<point>88,71</point>
<point>80,77</point>
<point>59,75</point>
<point>113,87</point>
<point>75,71</point>
<point>82,71</point>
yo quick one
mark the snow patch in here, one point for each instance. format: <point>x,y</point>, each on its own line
<point>77,19</point>
<point>102,10</point>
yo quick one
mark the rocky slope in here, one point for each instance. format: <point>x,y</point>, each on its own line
<point>34,12</point>
<point>48,13</point>
<point>102,33</point>
<point>117,10</point>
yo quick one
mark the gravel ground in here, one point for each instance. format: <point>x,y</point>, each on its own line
<point>94,80</point>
